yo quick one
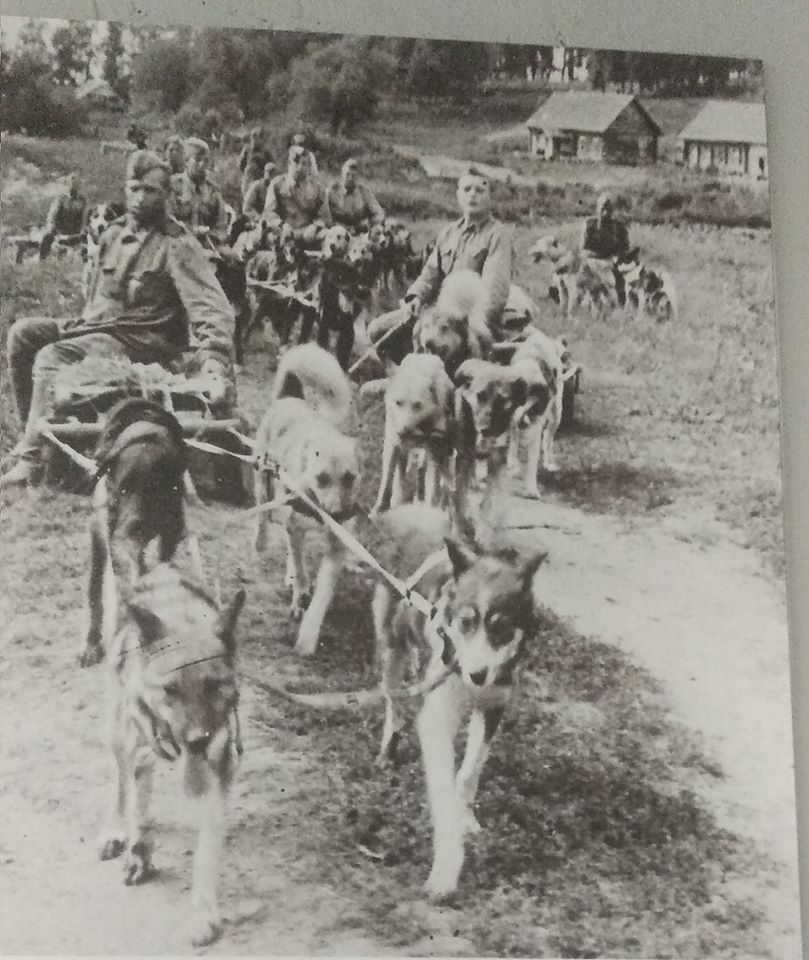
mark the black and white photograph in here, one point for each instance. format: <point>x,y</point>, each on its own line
<point>391,525</point>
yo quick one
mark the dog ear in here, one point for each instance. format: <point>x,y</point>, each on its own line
<point>226,623</point>
<point>151,627</point>
<point>519,391</point>
<point>464,374</point>
<point>461,558</point>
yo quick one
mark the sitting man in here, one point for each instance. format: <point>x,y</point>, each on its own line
<point>254,157</point>
<point>152,294</point>
<point>605,238</point>
<point>351,203</point>
<point>175,154</point>
<point>475,242</point>
<point>256,196</point>
<point>297,197</point>
<point>196,201</point>
<point>66,217</point>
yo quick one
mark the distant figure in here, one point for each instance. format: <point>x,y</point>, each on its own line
<point>136,136</point>
<point>606,238</point>
<point>351,203</point>
<point>66,217</point>
<point>174,153</point>
<point>256,196</point>
<point>254,157</point>
<point>196,200</point>
<point>297,197</point>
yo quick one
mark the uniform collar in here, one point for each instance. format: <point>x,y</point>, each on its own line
<point>474,226</point>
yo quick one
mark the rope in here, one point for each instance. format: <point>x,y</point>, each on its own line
<point>371,351</point>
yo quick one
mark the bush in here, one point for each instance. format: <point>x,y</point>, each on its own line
<point>671,201</point>
<point>31,101</point>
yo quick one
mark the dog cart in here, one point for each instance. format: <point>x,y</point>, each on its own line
<point>83,393</point>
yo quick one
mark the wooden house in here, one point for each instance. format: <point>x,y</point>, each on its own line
<point>587,125</point>
<point>727,137</point>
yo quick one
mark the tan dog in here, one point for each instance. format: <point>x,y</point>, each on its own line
<point>485,614</point>
<point>454,328</point>
<point>173,695</point>
<point>303,434</point>
<point>418,414</point>
<point>577,281</point>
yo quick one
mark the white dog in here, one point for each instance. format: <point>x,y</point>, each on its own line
<point>303,434</point>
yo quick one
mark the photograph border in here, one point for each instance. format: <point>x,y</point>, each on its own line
<point>775,35</point>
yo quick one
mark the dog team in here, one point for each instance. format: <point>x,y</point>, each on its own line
<point>471,383</point>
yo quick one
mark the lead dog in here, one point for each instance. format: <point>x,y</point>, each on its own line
<point>138,498</point>
<point>302,434</point>
<point>173,695</point>
<point>472,647</point>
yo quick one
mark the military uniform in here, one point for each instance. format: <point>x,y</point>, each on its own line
<point>252,161</point>
<point>153,294</point>
<point>298,204</point>
<point>198,205</point>
<point>605,240</point>
<point>353,208</point>
<point>255,198</point>
<point>484,247</point>
<point>67,216</point>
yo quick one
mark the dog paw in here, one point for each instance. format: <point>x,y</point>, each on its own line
<point>111,845</point>
<point>92,654</point>
<point>137,866</point>
<point>438,888</point>
<point>306,644</point>
<point>205,929</point>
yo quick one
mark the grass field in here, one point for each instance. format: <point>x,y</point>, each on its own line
<point>598,841</point>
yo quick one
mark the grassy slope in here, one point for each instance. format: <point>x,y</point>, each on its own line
<point>597,842</point>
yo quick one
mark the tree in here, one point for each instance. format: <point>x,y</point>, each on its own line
<point>113,69</point>
<point>446,68</point>
<point>32,101</point>
<point>72,53</point>
<point>340,83</point>
<point>161,73</point>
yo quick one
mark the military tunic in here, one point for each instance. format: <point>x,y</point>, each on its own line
<point>198,205</point>
<point>355,207</point>
<point>298,204</point>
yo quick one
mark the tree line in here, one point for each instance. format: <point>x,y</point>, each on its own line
<point>241,75</point>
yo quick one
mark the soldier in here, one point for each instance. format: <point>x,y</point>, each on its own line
<point>297,197</point>
<point>152,294</point>
<point>351,203</point>
<point>256,196</point>
<point>252,159</point>
<point>66,217</point>
<point>605,238</point>
<point>136,136</point>
<point>175,154</point>
<point>477,241</point>
<point>196,201</point>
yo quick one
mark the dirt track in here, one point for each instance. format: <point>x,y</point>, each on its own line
<point>701,618</point>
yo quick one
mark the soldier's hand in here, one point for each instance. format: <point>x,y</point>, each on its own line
<point>218,382</point>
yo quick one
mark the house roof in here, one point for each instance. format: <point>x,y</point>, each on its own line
<point>584,110</point>
<point>725,121</point>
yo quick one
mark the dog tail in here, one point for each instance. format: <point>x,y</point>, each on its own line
<point>313,375</point>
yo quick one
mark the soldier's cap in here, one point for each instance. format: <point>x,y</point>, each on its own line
<point>174,140</point>
<point>298,140</point>
<point>142,162</point>
<point>255,132</point>
<point>196,147</point>
<point>351,164</point>
<point>474,171</point>
<point>603,198</point>
<point>270,167</point>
